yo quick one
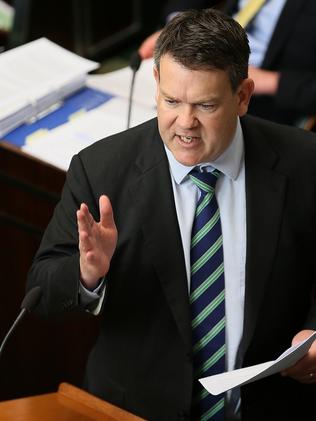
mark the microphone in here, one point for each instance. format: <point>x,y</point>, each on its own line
<point>135,63</point>
<point>28,304</point>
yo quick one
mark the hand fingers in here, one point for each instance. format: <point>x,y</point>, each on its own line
<point>84,242</point>
<point>85,223</point>
<point>304,371</point>
<point>307,378</point>
<point>310,377</point>
<point>84,227</point>
<point>84,218</point>
<point>106,212</point>
<point>89,229</point>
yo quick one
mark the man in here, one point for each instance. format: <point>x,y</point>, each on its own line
<point>140,186</point>
<point>282,61</point>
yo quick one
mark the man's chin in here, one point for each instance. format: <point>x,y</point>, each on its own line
<point>187,159</point>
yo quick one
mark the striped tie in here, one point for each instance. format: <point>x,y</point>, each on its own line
<point>207,297</point>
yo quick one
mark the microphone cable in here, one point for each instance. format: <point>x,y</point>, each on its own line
<point>135,63</point>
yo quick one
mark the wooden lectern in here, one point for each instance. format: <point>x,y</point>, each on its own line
<point>68,404</point>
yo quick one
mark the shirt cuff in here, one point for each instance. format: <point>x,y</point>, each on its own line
<point>92,300</point>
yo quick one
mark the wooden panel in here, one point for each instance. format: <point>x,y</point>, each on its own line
<point>41,354</point>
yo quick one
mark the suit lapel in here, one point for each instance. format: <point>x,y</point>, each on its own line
<point>281,33</point>
<point>153,194</point>
<point>265,195</point>
<point>265,192</point>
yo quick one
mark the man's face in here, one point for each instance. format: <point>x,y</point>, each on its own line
<point>197,110</point>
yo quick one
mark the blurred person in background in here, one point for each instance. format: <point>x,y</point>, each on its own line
<point>282,60</point>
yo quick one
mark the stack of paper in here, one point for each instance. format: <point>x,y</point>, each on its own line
<point>57,146</point>
<point>35,77</point>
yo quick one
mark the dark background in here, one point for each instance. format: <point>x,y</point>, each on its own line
<point>43,353</point>
<point>95,29</point>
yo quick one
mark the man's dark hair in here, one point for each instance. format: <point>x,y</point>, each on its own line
<point>204,40</point>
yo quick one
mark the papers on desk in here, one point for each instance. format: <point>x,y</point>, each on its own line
<point>57,146</point>
<point>98,110</point>
<point>118,83</point>
<point>35,77</point>
<point>220,383</point>
<point>81,101</point>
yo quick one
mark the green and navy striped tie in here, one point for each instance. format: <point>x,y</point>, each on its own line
<point>207,297</point>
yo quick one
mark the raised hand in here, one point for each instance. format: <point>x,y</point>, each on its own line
<point>97,242</point>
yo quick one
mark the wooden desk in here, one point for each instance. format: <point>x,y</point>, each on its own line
<point>41,354</point>
<point>68,404</point>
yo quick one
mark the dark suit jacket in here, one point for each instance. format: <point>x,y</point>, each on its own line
<point>142,358</point>
<point>291,51</point>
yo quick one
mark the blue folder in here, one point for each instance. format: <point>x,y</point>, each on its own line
<point>86,98</point>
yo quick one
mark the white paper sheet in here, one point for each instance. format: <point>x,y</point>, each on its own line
<point>222,382</point>
<point>37,74</point>
<point>57,146</point>
<point>118,83</point>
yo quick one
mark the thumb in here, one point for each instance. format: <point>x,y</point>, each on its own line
<point>106,212</point>
<point>301,336</point>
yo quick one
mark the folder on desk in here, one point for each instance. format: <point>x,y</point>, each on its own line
<point>35,77</point>
<point>98,110</point>
<point>84,100</point>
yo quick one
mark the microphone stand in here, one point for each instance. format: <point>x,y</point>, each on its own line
<point>16,322</point>
<point>134,64</point>
<point>28,304</point>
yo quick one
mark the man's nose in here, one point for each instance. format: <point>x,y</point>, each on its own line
<point>187,118</point>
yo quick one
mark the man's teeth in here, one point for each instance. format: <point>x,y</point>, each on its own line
<point>186,139</point>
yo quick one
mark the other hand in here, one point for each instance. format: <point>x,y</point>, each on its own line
<point>304,371</point>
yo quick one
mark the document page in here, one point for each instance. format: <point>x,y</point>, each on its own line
<point>35,76</point>
<point>57,146</point>
<point>220,383</point>
<point>118,83</point>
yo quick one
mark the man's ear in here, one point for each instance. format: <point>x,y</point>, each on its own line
<point>244,93</point>
<point>156,76</point>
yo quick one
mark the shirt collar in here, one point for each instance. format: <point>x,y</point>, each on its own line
<point>229,162</point>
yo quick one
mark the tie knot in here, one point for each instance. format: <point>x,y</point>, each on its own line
<point>205,181</point>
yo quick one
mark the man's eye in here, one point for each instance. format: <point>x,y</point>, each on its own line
<point>207,106</point>
<point>170,101</point>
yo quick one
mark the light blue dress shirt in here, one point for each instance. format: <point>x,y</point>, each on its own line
<point>231,198</point>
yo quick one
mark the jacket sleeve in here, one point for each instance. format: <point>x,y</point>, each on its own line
<point>56,264</point>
